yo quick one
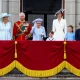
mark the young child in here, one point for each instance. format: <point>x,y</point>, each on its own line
<point>70,36</point>
<point>50,38</point>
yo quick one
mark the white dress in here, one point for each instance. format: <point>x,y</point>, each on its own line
<point>5,31</point>
<point>59,29</point>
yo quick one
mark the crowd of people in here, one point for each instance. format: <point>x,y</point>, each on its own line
<point>22,30</point>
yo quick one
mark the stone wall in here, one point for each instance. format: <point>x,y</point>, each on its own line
<point>72,12</point>
<point>12,7</point>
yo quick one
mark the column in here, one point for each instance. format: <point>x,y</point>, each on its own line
<point>70,12</point>
<point>14,9</point>
<point>77,13</point>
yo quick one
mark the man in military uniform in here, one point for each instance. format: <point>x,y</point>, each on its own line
<point>21,28</point>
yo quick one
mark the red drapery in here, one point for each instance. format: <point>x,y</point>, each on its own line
<point>7,50</point>
<point>39,58</point>
<point>40,55</point>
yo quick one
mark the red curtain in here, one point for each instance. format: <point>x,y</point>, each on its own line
<point>7,50</point>
<point>73,53</point>
<point>36,55</point>
<point>39,58</point>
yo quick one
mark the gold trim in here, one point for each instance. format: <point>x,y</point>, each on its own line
<point>7,69</point>
<point>65,57</point>
<point>72,69</point>
<point>40,73</point>
<point>15,49</point>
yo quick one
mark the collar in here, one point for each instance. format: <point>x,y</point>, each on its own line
<point>22,21</point>
<point>51,38</point>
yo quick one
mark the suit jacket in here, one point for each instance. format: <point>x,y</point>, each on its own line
<point>77,35</point>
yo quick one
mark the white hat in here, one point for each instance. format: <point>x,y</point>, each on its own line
<point>37,20</point>
<point>61,10</point>
<point>5,15</point>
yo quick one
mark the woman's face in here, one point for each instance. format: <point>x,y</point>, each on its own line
<point>38,24</point>
<point>59,15</point>
<point>5,19</point>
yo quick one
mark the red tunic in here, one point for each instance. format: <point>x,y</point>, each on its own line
<point>17,28</point>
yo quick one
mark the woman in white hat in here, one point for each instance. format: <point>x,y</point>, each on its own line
<point>38,31</point>
<point>59,26</point>
<point>5,27</point>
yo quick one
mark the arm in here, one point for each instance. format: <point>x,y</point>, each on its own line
<point>44,32</point>
<point>65,28</point>
<point>14,31</point>
<point>53,26</point>
<point>11,31</point>
<point>32,30</point>
<point>66,36</point>
<point>76,35</point>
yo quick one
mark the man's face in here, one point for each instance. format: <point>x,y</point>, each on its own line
<point>22,17</point>
<point>38,24</point>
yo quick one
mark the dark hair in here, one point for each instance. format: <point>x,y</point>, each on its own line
<point>71,27</point>
<point>51,32</point>
<point>61,13</point>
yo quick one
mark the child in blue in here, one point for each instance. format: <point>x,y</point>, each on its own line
<point>70,36</point>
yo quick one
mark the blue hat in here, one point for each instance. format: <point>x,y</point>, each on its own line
<point>37,20</point>
<point>5,15</point>
<point>61,10</point>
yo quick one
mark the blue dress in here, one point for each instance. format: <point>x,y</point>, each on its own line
<point>5,31</point>
<point>38,32</point>
<point>70,36</point>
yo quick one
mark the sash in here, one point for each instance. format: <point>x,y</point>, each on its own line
<point>24,27</point>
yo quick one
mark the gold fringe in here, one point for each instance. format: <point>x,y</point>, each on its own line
<point>65,57</point>
<point>35,73</point>
<point>72,69</point>
<point>7,69</point>
<point>15,50</point>
<point>16,55</point>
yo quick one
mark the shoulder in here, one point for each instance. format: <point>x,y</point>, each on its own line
<point>73,32</point>
<point>42,27</point>
<point>9,23</point>
<point>54,20</point>
<point>1,22</point>
<point>17,22</point>
<point>77,30</point>
<point>67,33</point>
<point>33,27</point>
<point>64,20</point>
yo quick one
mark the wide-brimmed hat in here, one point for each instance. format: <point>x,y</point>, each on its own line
<point>61,10</point>
<point>5,15</point>
<point>38,20</point>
